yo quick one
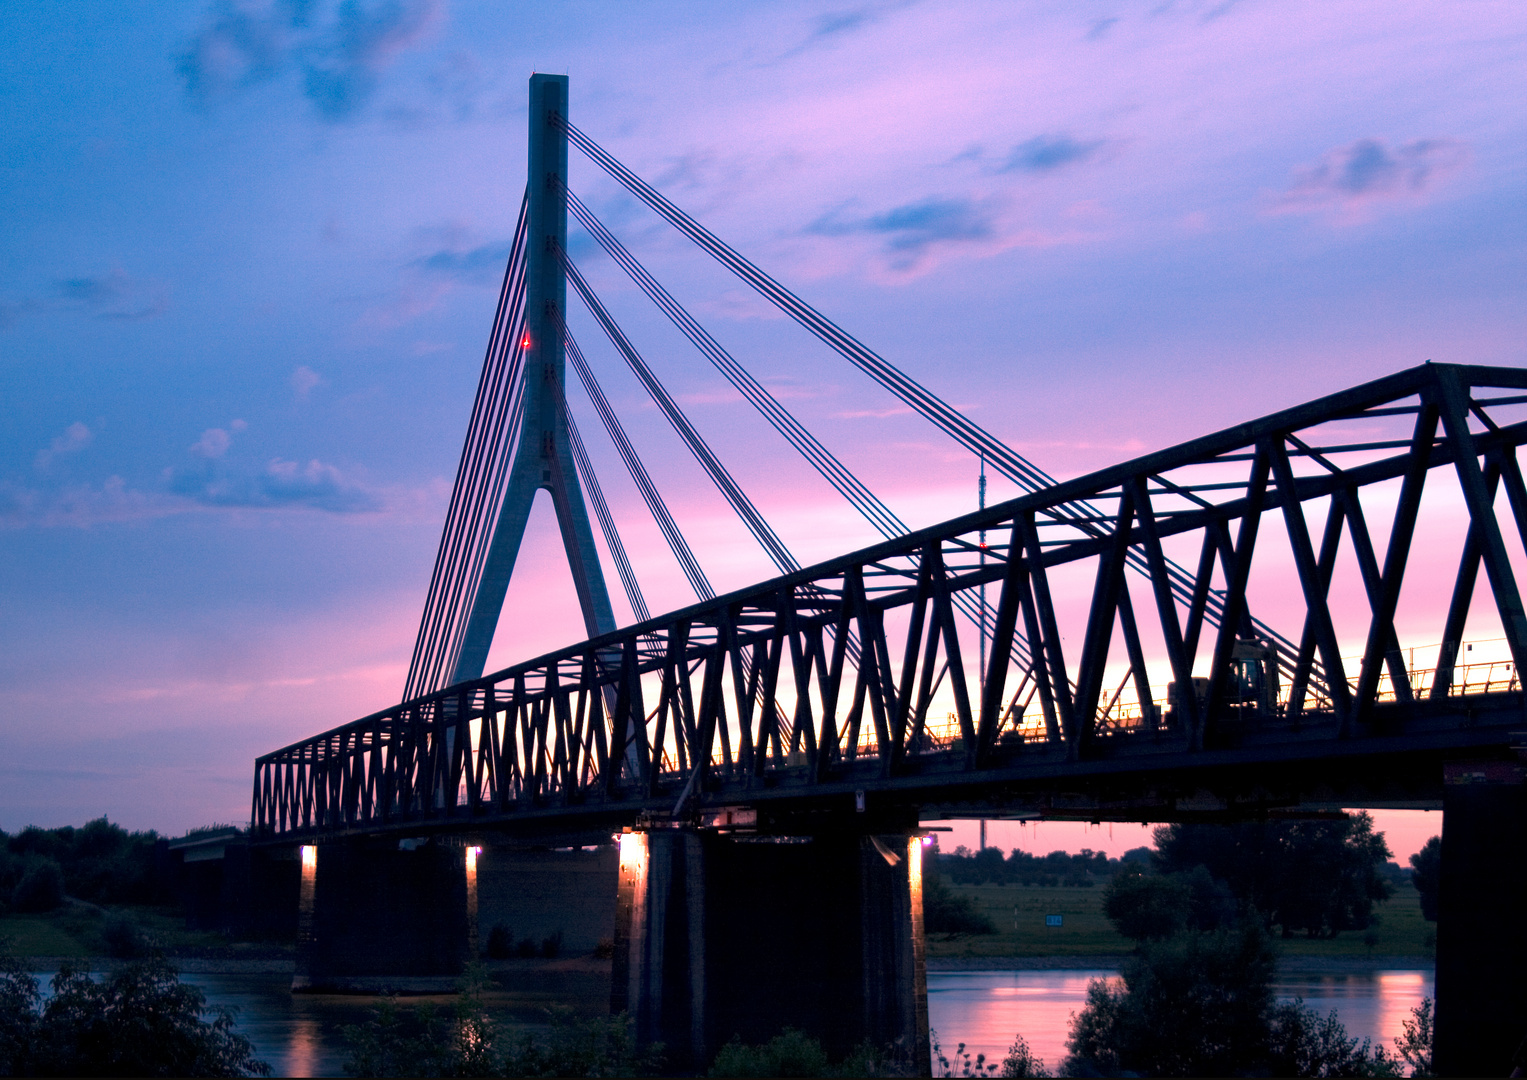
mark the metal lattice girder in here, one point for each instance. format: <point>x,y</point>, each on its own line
<point>755,697</point>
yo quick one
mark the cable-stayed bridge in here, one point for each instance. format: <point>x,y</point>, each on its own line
<point>1221,629</point>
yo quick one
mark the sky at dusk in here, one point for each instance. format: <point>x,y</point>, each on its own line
<point>251,252</point>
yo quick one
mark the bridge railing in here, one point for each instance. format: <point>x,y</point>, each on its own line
<point>759,690</point>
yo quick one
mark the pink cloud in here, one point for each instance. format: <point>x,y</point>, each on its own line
<point>1350,179</point>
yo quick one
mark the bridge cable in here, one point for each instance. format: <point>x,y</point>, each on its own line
<point>823,460</point>
<point>969,434</point>
<point>479,484</point>
<point>766,537</point>
<point>606,522</point>
<point>653,498</point>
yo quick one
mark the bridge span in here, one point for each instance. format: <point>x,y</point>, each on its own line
<point>1281,618</point>
<point>807,705</point>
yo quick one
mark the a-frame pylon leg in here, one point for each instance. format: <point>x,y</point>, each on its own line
<point>543,458</point>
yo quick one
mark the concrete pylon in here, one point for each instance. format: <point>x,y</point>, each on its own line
<point>719,937</point>
<point>1481,933</point>
<point>543,459</point>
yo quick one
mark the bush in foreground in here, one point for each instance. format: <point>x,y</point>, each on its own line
<point>462,1040</point>
<point>140,1021</point>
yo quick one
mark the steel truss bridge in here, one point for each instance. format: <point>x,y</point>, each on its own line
<point>1207,630</point>
<point>821,689</point>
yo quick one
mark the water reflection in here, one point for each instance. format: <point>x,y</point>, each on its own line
<point>984,1009</point>
<point>299,1035</point>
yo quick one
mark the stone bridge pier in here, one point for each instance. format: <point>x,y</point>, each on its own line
<point>716,935</point>
<point>1482,919</point>
<point>720,936</point>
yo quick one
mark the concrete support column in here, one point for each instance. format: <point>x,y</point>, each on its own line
<point>659,971</point>
<point>378,916</point>
<point>719,937</point>
<point>1482,920</point>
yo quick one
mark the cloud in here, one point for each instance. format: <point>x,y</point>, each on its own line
<point>839,22</point>
<point>340,50</point>
<point>1046,153</point>
<point>280,484</point>
<point>740,306</point>
<point>82,506</point>
<point>1352,178</point>
<point>74,439</point>
<point>412,300</point>
<point>914,226</point>
<point>11,310</point>
<point>340,75</point>
<point>1100,28</point>
<point>238,47</point>
<point>483,265</point>
<point>114,295</point>
<point>911,229</point>
<point>873,414</point>
<point>214,443</point>
<point>304,380</point>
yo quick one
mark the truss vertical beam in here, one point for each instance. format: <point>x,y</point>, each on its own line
<point>1453,397</point>
<point>543,459</point>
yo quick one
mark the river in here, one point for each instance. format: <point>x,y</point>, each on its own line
<point>299,1035</point>
<point>985,1009</point>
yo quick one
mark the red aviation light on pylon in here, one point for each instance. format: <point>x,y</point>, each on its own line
<point>525,341</point>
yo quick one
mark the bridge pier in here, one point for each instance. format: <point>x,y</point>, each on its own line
<point>376,915</point>
<point>719,936</point>
<point>1481,921</point>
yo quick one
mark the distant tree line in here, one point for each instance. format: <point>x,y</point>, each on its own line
<point>1318,878</point>
<point>100,862</point>
<point>988,866</point>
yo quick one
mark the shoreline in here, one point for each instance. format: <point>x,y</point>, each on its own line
<point>1287,965</point>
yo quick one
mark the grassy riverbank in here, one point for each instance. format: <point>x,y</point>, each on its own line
<point>1019,911</point>
<point>81,930</point>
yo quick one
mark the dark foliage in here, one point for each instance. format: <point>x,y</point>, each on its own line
<point>461,1040</point>
<point>500,943</point>
<point>41,887</point>
<point>100,862</point>
<point>987,866</point>
<point>1150,907</point>
<point>124,938</point>
<point>1426,875</point>
<point>140,1021</point>
<point>1201,1004</point>
<point>1302,1043</point>
<point>1192,1005</point>
<point>794,1053</point>
<point>944,911</point>
<point>1318,877</point>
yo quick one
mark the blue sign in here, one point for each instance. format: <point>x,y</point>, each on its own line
<point>1055,920</point>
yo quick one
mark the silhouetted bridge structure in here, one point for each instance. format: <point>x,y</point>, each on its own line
<point>1217,631</point>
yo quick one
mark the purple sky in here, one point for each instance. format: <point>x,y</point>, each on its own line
<point>250,254</point>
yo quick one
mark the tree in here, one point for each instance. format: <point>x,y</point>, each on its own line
<point>1302,1043</point>
<point>1192,1005</point>
<point>1150,907</point>
<point>945,912</point>
<point>1201,1004</point>
<point>41,887</point>
<point>138,1022</point>
<point>1319,877</point>
<point>1426,875</point>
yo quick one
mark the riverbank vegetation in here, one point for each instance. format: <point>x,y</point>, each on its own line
<point>138,1021</point>
<point>1325,888</point>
